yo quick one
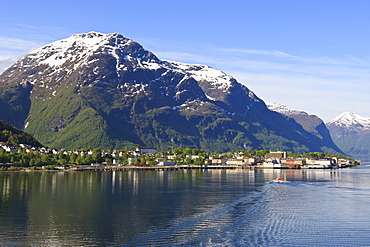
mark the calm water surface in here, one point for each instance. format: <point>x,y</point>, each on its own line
<point>186,208</point>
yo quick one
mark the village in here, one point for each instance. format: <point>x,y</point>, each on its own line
<point>145,157</point>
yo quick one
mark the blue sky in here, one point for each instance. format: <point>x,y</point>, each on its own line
<point>306,54</point>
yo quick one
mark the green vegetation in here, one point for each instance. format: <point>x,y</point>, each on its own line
<point>75,117</point>
<point>319,155</point>
<point>50,161</point>
<point>211,126</point>
<point>14,136</point>
<point>182,156</point>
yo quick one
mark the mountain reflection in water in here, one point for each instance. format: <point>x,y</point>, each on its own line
<point>189,207</point>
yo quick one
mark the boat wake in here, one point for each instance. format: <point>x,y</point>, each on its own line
<point>275,215</point>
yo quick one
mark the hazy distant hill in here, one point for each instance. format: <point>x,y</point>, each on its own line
<point>351,132</point>
<point>105,90</point>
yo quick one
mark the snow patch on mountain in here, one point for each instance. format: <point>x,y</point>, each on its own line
<point>81,53</point>
<point>59,52</point>
<point>350,120</point>
<point>79,48</point>
<point>282,109</point>
<point>216,78</point>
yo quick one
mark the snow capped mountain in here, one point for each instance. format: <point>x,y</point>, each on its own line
<point>351,132</point>
<point>87,58</point>
<point>64,57</point>
<point>105,90</point>
<point>62,51</point>
<point>80,49</point>
<point>351,120</point>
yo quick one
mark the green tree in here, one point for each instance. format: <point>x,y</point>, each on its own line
<point>199,161</point>
<point>188,161</point>
<point>96,155</point>
<point>72,158</point>
<point>108,160</point>
<point>151,161</point>
<point>261,153</point>
<point>178,151</point>
<point>79,160</point>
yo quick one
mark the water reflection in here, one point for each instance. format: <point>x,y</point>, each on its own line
<point>107,208</point>
<point>101,207</point>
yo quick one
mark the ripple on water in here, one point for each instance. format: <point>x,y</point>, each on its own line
<point>280,214</point>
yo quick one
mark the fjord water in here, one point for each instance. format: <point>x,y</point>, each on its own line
<point>186,208</point>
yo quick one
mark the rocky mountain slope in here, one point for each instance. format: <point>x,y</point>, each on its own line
<point>310,123</point>
<point>351,132</point>
<point>107,91</point>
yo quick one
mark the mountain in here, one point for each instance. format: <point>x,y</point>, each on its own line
<point>310,123</point>
<point>351,132</point>
<point>15,136</point>
<point>107,91</point>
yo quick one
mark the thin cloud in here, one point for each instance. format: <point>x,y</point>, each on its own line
<point>17,44</point>
<point>27,26</point>
<point>306,59</point>
<point>258,52</point>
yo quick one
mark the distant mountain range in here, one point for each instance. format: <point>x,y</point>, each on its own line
<point>351,133</point>
<point>107,91</point>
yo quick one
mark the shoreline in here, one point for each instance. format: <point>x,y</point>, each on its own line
<point>168,168</point>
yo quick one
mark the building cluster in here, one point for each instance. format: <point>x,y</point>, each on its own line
<point>9,148</point>
<point>281,160</point>
<point>272,160</point>
<point>43,150</point>
<point>26,148</point>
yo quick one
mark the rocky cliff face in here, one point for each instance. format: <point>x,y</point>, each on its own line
<point>351,132</point>
<point>105,90</point>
